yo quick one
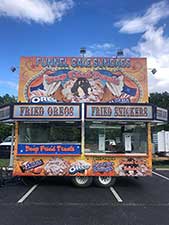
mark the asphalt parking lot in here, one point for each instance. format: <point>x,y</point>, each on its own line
<point>143,201</point>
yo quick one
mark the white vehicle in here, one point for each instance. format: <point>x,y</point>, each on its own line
<point>7,141</point>
<point>5,147</point>
<point>163,143</point>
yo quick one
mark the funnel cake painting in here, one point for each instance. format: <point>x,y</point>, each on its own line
<point>90,84</point>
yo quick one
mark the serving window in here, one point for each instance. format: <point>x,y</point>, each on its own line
<point>111,137</point>
<point>50,132</point>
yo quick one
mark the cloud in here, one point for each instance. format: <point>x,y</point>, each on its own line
<point>9,84</point>
<point>153,44</point>
<point>106,49</point>
<point>140,24</point>
<point>89,53</point>
<point>104,46</point>
<point>39,11</point>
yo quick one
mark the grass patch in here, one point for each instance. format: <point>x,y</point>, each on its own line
<point>161,166</point>
<point>161,162</point>
<point>4,162</point>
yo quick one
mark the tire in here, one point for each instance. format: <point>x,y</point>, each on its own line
<point>82,181</point>
<point>104,181</point>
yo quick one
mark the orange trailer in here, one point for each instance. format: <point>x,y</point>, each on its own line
<point>84,117</point>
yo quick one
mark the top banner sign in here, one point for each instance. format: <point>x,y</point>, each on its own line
<point>119,112</point>
<point>5,112</point>
<point>161,114</point>
<point>83,79</point>
<point>47,111</point>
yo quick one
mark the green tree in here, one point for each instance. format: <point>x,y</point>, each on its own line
<point>5,129</point>
<point>7,99</point>
<point>161,100</point>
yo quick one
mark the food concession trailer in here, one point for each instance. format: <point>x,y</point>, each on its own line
<point>84,117</point>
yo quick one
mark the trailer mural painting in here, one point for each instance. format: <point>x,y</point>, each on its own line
<point>55,79</point>
<point>56,166</point>
<point>84,117</point>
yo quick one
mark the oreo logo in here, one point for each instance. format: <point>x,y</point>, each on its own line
<point>78,168</point>
<point>37,99</point>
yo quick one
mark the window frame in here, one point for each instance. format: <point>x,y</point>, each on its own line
<point>116,122</point>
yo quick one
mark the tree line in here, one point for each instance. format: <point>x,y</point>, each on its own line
<point>5,129</point>
<point>159,99</point>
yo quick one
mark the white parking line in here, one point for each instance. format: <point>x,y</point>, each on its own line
<point>157,174</point>
<point>116,195</point>
<point>21,200</point>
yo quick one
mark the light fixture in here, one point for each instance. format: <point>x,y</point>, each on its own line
<point>13,69</point>
<point>83,51</point>
<point>154,71</point>
<point>102,126</point>
<point>119,52</point>
<point>70,122</point>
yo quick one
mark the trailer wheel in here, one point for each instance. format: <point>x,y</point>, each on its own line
<point>104,181</point>
<point>82,181</point>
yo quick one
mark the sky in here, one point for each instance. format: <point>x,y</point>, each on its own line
<point>62,27</point>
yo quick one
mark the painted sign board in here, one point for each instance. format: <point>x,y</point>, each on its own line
<point>47,111</point>
<point>79,79</point>
<point>161,114</point>
<point>49,149</point>
<point>119,112</point>
<point>76,166</point>
<point>5,112</point>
